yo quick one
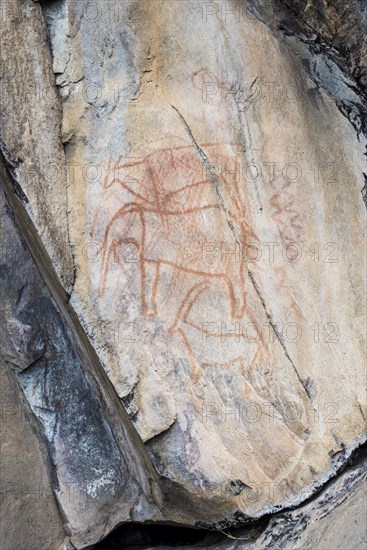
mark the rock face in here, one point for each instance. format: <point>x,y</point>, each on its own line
<point>30,126</point>
<point>340,28</point>
<point>187,177</point>
<point>94,471</point>
<point>334,518</point>
<point>29,514</point>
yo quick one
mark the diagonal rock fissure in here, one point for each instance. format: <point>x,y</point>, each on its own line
<point>216,183</point>
<point>128,440</point>
<point>213,178</point>
<point>277,334</point>
<point>164,425</point>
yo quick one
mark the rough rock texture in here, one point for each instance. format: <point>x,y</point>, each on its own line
<point>162,192</point>
<point>98,474</point>
<point>330,40</point>
<point>30,110</point>
<point>333,519</point>
<point>29,514</point>
<point>341,28</point>
<point>187,177</point>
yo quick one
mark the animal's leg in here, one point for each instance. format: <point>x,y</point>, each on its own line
<point>150,274</point>
<point>116,228</point>
<point>236,287</point>
<point>179,325</point>
<point>109,249</point>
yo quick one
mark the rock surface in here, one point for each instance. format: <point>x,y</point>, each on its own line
<point>333,519</point>
<point>187,176</point>
<point>95,470</point>
<point>30,111</point>
<point>26,497</point>
<point>340,27</point>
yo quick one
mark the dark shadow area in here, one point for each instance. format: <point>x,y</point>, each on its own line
<point>134,536</point>
<point>140,536</point>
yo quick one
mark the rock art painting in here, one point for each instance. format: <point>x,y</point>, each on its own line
<point>170,221</point>
<point>182,330</point>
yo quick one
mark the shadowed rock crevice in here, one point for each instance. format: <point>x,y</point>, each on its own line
<point>84,425</point>
<point>293,523</point>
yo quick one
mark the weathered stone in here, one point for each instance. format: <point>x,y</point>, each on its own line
<point>341,29</point>
<point>335,57</point>
<point>205,218</point>
<point>29,514</point>
<point>334,519</point>
<point>162,192</point>
<point>30,110</point>
<point>96,476</point>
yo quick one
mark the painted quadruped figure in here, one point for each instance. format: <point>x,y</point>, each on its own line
<point>173,207</point>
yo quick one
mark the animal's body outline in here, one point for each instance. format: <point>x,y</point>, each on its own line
<point>166,207</point>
